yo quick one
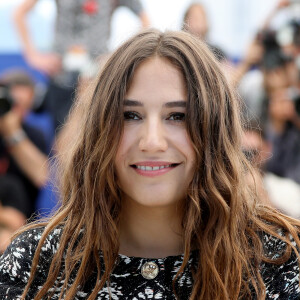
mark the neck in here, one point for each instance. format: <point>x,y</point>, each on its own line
<point>153,232</point>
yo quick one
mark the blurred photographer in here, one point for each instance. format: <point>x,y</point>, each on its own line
<point>274,70</point>
<point>283,133</point>
<point>269,61</point>
<point>23,159</point>
<point>82,31</point>
<point>279,192</point>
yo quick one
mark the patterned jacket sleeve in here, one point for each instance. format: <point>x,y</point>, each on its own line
<point>281,280</point>
<point>15,264</point>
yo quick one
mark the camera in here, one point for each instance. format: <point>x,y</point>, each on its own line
<point>268,40</point>
<point>5,99</point>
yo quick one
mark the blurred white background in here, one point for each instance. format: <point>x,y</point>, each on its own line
<point>232,22</point>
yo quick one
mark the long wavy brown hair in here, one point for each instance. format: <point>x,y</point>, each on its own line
<point>222,215</point>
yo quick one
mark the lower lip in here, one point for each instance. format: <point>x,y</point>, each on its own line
<point>154,173</point>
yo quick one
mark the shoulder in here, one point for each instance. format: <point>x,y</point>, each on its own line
<point>29,239</point>
<point>281,278</point>
<point>15,263</point>
<point>22,247</point>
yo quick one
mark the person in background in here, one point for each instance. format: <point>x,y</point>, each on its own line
<point>274,104</point>
<point>279,192</point>
<point>81,34</point>
<point>23,154</point>
<point>257,49</point>
<point>265,61</point>
<point>195,21</point>
<point>276,70</point>
<point>282,131</point>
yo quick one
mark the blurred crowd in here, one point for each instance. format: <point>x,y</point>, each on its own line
<point>32,134</point>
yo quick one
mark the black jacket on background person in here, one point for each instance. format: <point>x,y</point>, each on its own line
<point>16,190</point>
<point>285,160</point>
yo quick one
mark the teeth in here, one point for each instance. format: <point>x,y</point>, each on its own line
<point>148,168</point>
<point>162,167</point>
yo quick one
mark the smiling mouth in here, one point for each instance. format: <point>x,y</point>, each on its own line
<point>153,168</point>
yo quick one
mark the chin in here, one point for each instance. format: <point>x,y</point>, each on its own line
<point>155,199</point>
<point>156,203</point>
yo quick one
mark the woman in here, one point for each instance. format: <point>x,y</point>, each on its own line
<point>195,20</point>
<point>155,204</point>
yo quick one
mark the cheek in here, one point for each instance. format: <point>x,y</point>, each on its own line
<point>191,156</point>
<point>120,161</point>
<point>185,147</point>
<point>183,142</point>
<point>120,156</point>
<point>125,148</point>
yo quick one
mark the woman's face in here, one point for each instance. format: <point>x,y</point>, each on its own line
<point>281,106</point>
<point>197,21</point>
<point>155,159</point>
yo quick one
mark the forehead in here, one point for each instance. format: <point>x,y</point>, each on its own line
<point>196,11</point>
<point>157,79</point>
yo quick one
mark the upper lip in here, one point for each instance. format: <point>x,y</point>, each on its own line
<point>154,163</point>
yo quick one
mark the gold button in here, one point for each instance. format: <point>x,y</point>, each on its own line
<point>149,270</point>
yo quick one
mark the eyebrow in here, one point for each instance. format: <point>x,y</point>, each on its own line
<point>180,103</point>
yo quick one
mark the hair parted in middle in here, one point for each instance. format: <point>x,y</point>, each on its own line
<point>221,217</point>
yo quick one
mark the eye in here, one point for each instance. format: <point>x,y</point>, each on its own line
<point>131,115</point>
<point>178,117</point>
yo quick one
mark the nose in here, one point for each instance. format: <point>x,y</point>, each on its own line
<point>153,137</point>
